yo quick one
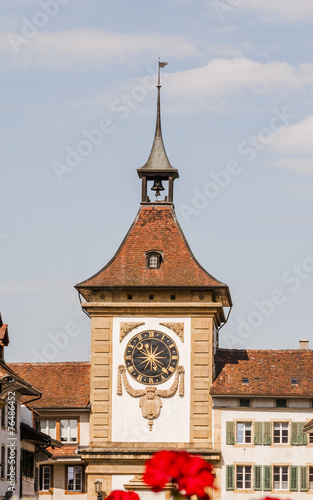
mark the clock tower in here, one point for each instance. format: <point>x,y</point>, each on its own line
<point>155,316</point>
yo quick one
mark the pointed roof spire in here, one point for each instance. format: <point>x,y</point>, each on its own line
<point>158,161</point>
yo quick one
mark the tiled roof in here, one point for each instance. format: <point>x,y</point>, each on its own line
<point>64,385</point>
<point>4,335</point>
<point>269,372</point>
<point>13,381</point>
<point>155,228</point>
<point>64,452</point>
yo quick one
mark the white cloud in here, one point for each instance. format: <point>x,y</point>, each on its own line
<point>295,145</point>
<point>77,49</point>
<point>224,77</point>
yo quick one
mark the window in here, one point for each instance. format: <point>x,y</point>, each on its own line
<point>294,380</point>
<point>280,432</point>
<point>280,478</point>
<point>243,477</point>
<point>311,438</point>
<point>245,380</point>
<point>153,260</point>
<point>244,402</point>
<point>27,464</point>
<point>129,297</point>
<point>68,430</point>
<point>48,427</point>
<point>151,297</point>
<point>311,478</point>
<point>173,297</point>
<point>2,461</point>
<point>244,432</point>
<point>74,478</point>
<point>281,403</point>
<point>3,416</point>
<point>45,477</point>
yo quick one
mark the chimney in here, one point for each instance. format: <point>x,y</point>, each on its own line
<point>304,345</point>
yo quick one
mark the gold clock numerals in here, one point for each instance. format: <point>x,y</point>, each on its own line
<point>151,357</point>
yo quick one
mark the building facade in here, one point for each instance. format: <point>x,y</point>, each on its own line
<point>262,401</point>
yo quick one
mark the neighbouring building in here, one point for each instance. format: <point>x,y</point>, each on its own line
<point>64,412</point>
<point>22,445</point>
<point>262,400</point>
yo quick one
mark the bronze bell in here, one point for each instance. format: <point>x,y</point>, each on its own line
<point>157,186</point>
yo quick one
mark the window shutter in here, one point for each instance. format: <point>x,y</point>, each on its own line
<point>267,478</point>
<point>293,478</point>
<point>294,433</point>
<point>303,439</point>
<point>258,433</point>
<point>258,477</point>
<point>267,432</point>
<point>304,478</point>
<point>230,477</point>
<point>230,432</point>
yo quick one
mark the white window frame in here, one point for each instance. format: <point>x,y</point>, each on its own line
<point>246,432</point>
<point>75,468</point>
<point>68,437</point>
<point>47,429</point>
<point>280,436</point>
<point>282,477</point>
<point>245,471</point>
<point>43,470</point>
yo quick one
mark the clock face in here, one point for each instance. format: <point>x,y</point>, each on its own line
<point>151,357</point>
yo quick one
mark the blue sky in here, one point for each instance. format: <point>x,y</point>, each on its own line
<point>77,119</point>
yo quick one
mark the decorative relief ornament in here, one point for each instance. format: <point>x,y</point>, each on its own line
<point>150,397</point>
<point>125,328</point>
<point>178,328</point>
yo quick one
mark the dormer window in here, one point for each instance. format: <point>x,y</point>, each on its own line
<point>153,260</point>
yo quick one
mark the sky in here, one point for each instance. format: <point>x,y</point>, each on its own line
<point>78,105</point>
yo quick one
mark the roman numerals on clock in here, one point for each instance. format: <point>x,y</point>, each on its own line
<point>151,357</point>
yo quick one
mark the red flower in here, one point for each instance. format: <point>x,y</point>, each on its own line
<point>122,495</point>
<point>159,469</point>
<point>191,473</point>
<point>196,475</point>
<point>270,498</point>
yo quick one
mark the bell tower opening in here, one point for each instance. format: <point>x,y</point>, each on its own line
<point>158,169</point>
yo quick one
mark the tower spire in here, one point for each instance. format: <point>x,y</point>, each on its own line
<point>158,164</point>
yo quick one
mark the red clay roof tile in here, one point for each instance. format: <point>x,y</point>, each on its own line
<point>269,372</point>
<point>64,385</point>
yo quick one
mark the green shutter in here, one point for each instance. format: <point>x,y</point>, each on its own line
<point>303,437</point>
<point>230,477</point>
<point>230,433</point>
<point>258,477</point>
<point>258,433</point>
<point>304,486</point>
<point>267,478</point>
<point>293,478</point>
<point>267,433</point>
<point>294,433</point>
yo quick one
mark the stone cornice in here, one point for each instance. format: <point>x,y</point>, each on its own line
<point>142,309</point>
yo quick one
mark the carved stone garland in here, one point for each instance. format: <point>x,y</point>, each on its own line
<point>150,402</point>
<point>178,328</point>
<point>125,328</point>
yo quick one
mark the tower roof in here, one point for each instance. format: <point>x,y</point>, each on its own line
<point>155,229</point>
<point>158,162</point>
